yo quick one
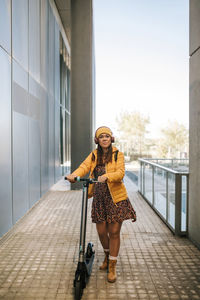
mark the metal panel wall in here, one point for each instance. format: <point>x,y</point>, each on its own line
<point>34,140</point>
<point>44,106</point>
<point>29,119</point>
<point>19,89</point>
<point>51,140</point>
<point>20,31</point>
<point>34,161</point>
<point>20,166</point>
<point>57,64</point>
<point>5,24</point>
<point>44,142</point>
<point>20,141</point>
<point>51,93</point>
<point>44,40</point>
<point>5,139</point>
<point>34,39</point>
<point>51,65</point>
<point>58,170</point>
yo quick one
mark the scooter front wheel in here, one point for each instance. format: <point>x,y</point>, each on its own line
<point>78,289</point>
<point>79,281</point>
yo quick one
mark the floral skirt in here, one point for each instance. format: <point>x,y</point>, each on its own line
<point>103,207</point>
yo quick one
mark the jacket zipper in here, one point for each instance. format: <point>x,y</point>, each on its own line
<point>109,188</point>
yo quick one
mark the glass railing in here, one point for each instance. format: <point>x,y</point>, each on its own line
<point>164,185</point>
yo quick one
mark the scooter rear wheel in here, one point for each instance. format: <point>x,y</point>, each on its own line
<point>90,251</point>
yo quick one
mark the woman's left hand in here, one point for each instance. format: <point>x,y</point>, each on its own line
<point>102,178</point>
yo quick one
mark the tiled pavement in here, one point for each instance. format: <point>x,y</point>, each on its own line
<point>38,256</point>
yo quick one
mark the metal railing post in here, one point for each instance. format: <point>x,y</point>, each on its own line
<point>178,184</point>
<point>143,186</point>
<point>167,196</point>
<point>141,166</point>
<point>187,202</point>
<point>153,185</point>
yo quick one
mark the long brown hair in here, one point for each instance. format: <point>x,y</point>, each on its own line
<point>101,158</point>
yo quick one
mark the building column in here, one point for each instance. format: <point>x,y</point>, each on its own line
<point>194,117</point>
<point>82,82</point>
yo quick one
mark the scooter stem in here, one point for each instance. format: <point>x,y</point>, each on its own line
<point>83,222</point>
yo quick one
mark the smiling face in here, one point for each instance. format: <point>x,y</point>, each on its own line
<point>104,140</point>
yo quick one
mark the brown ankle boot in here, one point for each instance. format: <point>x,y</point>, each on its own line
<point>112,275</point>
<point>104,265</point>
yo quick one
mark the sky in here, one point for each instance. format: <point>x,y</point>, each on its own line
<point>142,61</point>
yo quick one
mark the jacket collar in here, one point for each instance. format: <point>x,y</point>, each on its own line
<point>114,149</point>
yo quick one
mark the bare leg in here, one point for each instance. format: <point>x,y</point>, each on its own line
<point>114,234</point>
<point>102,230</point>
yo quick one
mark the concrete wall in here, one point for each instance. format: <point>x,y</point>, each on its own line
<point>82,85</point>
<point>29,106</point>
<point>194,117</point>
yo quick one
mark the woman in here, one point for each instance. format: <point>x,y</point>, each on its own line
<point>111,205</point>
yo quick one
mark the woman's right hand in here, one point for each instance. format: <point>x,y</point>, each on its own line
<point>71,178</point>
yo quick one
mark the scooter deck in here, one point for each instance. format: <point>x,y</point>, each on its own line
<point>84,270</point>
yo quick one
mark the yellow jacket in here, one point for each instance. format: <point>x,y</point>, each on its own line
<point>115,171</point>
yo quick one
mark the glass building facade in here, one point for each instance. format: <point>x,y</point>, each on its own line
<point>34,106</point>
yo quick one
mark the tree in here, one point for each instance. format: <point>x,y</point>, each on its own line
<point>174,140</point>
<point>132,128</point>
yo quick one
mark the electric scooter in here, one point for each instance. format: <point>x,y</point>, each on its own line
<point>85,261</point>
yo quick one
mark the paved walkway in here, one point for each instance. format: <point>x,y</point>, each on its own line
<point>38,256</point>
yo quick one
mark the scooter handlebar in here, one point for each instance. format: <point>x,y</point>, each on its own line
<point>90,180</point>
<point>78,178</point>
